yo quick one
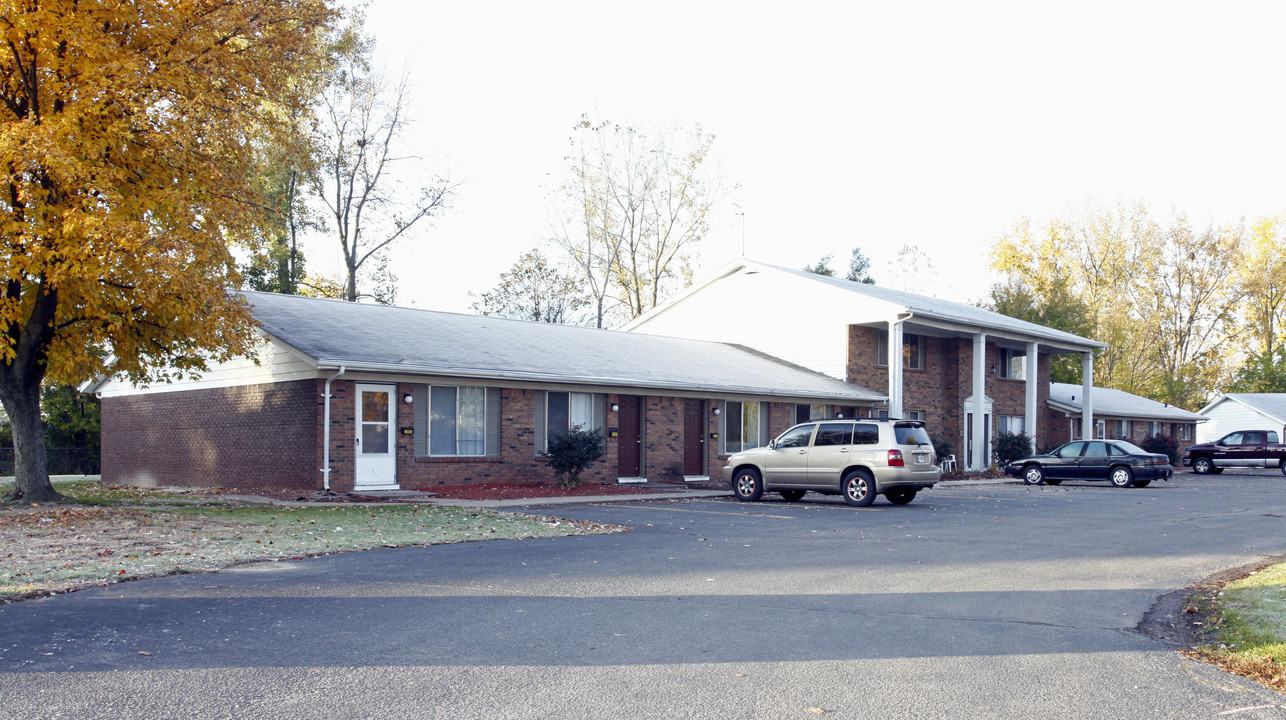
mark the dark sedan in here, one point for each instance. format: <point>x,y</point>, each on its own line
<point>1119,462</point>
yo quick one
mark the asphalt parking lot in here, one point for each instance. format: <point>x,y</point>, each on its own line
<point>973,601</point>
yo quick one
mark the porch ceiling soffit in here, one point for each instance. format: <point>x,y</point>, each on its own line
<point>933,327</point>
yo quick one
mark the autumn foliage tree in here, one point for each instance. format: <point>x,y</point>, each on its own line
<point>128,146</point>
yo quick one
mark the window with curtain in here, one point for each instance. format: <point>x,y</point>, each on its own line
<point>741,426</point>
<point>457,420</point>
<point>569,409</point>
<point>912,350</point>
<point>1013,364</point>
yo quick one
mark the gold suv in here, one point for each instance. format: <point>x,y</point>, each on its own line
<point>858,459</point>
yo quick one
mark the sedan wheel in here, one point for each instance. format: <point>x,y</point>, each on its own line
<point>747,485</point>
<point>859,488</point>
<point>1121,476</point>
<point>1033,475</point>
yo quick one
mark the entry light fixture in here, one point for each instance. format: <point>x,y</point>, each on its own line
<point>716,411</point>
<point>408,398</point>
<point>615,407</point>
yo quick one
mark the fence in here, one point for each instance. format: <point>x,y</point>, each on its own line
<point>61,461</point>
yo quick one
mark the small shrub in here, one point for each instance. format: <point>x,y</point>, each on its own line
<point>572,451</point>
<point>943,449</point>
<point>1009,447</point>
<point>1163,444</point>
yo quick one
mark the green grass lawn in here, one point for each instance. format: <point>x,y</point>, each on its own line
<point>114,534</point>
<point>1248,616</point>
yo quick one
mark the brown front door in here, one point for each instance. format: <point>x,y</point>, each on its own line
<point>629,442</point>
<point>694,437</point>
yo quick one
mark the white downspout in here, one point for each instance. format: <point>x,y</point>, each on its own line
<point>325,471</point>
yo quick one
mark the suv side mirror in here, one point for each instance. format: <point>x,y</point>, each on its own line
<point>772,444</point>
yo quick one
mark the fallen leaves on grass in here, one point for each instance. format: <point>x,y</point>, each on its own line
<point>54,549</point>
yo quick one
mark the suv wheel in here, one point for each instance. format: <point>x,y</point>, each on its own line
<point>859,488</point>
<point>748,485</point>
<point>900,496</point>
<point>1202,465</point>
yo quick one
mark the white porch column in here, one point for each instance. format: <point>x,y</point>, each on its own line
<point>980,459</point>
<point>895,369</point>
<point>1087,387</point>
<point>1033,395</point>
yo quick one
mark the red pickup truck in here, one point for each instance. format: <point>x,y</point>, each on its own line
<point>1244,448</point>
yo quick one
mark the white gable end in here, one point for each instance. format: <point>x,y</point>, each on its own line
<point>277,362</point>
<point>782,315</point>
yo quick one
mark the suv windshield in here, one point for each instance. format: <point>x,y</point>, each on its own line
<point>911,434</point>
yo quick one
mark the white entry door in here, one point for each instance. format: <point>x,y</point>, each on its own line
<point>375,457</point>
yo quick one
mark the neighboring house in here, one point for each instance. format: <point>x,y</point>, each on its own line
<point>1243,411</point>
<point>361,397</point>
<point>967,371</point>
<point>1118,415</point>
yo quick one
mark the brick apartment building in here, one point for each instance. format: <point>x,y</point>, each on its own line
<point>1118,415</point>
<point>969,373</point>
<point>364,397</point>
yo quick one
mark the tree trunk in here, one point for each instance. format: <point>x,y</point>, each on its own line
<point>30,467</point>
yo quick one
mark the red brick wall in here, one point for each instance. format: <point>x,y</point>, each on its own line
<point>270,436</point>
<point>249,436</point>
<point>662,457</point>
<point>940,388</point>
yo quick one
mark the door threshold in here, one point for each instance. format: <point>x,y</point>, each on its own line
<point>696,478</point>
<point>629,480</point>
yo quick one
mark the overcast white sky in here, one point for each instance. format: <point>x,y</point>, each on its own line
<point>933,124</point>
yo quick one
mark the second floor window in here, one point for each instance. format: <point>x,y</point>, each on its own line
<point>912,350</point>
<point>1013,364</point>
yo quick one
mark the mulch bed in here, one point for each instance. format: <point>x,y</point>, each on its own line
<point>481,491</point>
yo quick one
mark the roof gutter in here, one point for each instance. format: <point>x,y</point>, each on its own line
<point>325,471</point>
<point>595,382</point>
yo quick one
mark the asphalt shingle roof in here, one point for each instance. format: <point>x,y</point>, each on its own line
<point>406,340</point>
<point>1118,403</point>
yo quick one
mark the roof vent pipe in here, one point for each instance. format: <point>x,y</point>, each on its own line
<point>325,471</point>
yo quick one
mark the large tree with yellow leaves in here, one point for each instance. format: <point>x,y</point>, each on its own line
<point>128,144</point>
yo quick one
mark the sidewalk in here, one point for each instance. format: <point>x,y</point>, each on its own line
<point>677,492</point>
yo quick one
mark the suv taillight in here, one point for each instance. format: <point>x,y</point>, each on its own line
<point>895,458</point>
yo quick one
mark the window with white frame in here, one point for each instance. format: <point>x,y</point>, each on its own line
<point>1100,428</point>
<point>913,414</point>
<point>568,409</point>
<point>1013,424</point>
<point>457,420</point>
<point>912,350</point>
<point>1013,364</point>
<point>1155,428</point>
<point>741,425</point>
<point>1124,429</point>
<point>1185,431</point>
